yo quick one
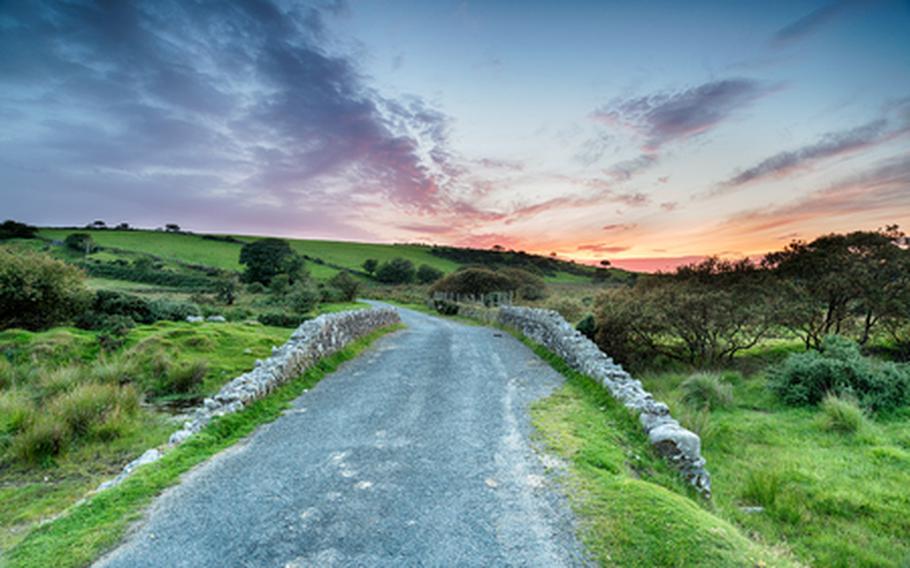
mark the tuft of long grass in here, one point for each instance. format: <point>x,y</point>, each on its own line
<point>842,414</point>
<point>707,390</point>
<point>58,381</point>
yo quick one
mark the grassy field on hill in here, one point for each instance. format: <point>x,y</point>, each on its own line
<point>194,249</point>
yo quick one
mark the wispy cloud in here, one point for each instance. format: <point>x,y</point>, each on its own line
<point>829,145</point>
<point>600,248</point>
<point>811,22</point>
<point>676,115</point>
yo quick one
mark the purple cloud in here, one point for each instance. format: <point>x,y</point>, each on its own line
<point>671,116</point>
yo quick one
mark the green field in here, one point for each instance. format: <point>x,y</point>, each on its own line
<point>194,249</point>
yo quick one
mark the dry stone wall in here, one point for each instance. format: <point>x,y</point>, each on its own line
<point>313,340</point>
<point>681,447</point>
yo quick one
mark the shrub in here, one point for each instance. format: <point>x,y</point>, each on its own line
<point>445,307</point>
<point>706,390</point>
<point>426,274</point>
<point>396,271</point>
<point>80,242</point>
<point>588,327</point>
<point>528,286</point>
<point>346,285</point>
<point>281,319</point>
<point>840,369</point>
<point>111,303</point>
<point>302,298</point>
<point>10,229</point>
<point>474,281</point>
<point>370,265</point>
<point>256,288</point>
<point>173,310</point>
<point>842,414</point>
<point>37,291</point>
<point>569,309</point>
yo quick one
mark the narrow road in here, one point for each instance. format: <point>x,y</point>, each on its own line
<point>416,453</point>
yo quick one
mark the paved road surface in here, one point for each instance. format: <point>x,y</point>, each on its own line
<point>414,454</point>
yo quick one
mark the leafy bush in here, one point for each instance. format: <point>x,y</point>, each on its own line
<point>108,305</point>
<point>842,414</point>
<point>528,286</point>
<point>346,285</point>
<point>141,271</point>
<point>840,369</point>
<point>474,281</point>
<point>706,390</point>
<point>10,229</point>
<point>81,243</point>
<point>396,271</point>
<point>445,307</point>
<point>302,298</point>
<point>255,288</point>
<point>588,327</point>
<point>281,319</point>
<point>370,265</point>
<point>37,291</point>
<point>426,274</point>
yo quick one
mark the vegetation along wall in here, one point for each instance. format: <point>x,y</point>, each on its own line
<point>677,444</point>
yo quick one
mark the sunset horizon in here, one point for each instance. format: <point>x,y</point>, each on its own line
<point>648,137</point>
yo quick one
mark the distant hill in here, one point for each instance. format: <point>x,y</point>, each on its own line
<point>324,258</point>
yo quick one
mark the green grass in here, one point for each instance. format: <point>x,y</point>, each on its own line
<point>86,531</point>
<point>833,497</point>
<point>632,509</point>
<point>194,249</point>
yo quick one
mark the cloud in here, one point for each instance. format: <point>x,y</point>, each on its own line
<point>602,248</point>
<point>676,115</point>
<point>618,227</point>
<point>626,169</point>
<point>830,145</point>
<point>239,105</point>
<point>810,23</point>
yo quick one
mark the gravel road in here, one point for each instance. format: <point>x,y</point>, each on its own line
<point>417,453</point>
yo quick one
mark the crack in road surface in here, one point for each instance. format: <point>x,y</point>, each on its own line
<point>417,453</point>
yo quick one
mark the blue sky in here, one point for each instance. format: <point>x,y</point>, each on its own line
<point>643,132</point>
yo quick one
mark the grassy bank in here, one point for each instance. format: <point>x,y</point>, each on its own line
<point>633,510</point>
<point>84,532</point>
<point>832,496</point>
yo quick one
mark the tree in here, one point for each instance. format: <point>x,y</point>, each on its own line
<point>346,285</point>
<point>37,291</point>
<point>370,265</point>
<point>426,274</point>
<point>10,229</point>
<point>266,258</point>
<point>396,271</point>
<point>172,228</point>
<point>123,227</point>
<point>836,277</point>
<point>605,263</point>
<point>226,289</point>
<point>98,224</point>
<point>80,242</point>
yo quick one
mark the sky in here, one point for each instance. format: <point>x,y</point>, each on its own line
<point>647,133</point>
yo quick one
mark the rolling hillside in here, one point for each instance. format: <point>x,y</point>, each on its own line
<point>198,250</point>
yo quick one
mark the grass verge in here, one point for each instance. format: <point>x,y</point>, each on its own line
<point>632,509</point>
<point>89,529</point>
